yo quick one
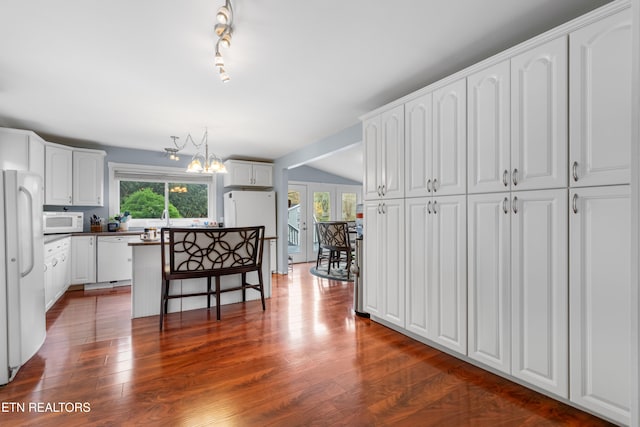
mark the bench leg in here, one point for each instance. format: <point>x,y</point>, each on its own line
<point>244,289</point>
<point>218,297</point>
<point>164,302</point>
<point>261,289</point>
<point>209,292</point>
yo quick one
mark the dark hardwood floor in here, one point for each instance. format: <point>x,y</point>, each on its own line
<point>306,360</point>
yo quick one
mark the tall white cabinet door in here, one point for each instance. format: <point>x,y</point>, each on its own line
<point>419,270</point>
<point>600,102</point>
<point>393,261</point>
<point>448,282</point>
<point>489,126</point>
<point>372,258</point>
<point>539,285</point>
<point>393,153</point>
<point>418,120</point>
<point>58,175</point>
<point>600,300</point>
<point>88,178</point>
<point>83,259</point>
<point>489,279</point>
<point>372,146</point>
<point>539,117</point>
<point>450,139</point>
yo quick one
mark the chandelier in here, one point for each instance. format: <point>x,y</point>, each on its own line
<point>224,30</point>
<point>200,162</point>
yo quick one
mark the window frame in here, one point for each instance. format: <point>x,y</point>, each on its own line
<point>141,173</point>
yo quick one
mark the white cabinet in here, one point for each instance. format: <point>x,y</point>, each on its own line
<point>384,260</point>
<point>88,178</point>
<point>489,279</point>
<point>489,125</point>
<point>242,173</point>
<point>21,150</point>
<point>83,259</point>
<point>601,300</point>
<point>449,161</point>
<point>49,288</point>
<point>57,269</point>
<point>539,117</point>
<point>418,119</point>
<point>600,102</point>
<point>539,286</point>
<point>58,175</point>
<point>383,137</point>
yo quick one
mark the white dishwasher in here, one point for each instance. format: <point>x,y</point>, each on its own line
<point>114,258</point>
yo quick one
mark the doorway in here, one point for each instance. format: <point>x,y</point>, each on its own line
<point>297,222</point>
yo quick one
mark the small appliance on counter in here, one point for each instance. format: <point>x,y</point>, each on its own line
<point>62,222</point>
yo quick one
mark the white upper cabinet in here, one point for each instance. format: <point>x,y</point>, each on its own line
<point>489,126</point>
<point>601,300</point>
<point>383,137</point>
<point>58,175</point>
<point>450,139</point>
<point>88,178</point>
<point>539,117</point>
<point>539,286</point>
<point>600,102</point>
<point>489,279</point>
<point>21,150</point>
<point>418,119</point>
<point>242,173</point>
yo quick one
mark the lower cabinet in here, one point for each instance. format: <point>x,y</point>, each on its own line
<point>600,300</point>
<point>83,257</point>
<point>57,270</point>
<point>384,262</point>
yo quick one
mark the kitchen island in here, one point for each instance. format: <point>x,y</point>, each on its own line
<point>146,284</point>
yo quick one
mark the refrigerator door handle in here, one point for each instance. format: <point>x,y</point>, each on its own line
<point>31,225</point>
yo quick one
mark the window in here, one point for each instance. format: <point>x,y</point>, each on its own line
<point>149,194</point>
<point>349,202</point>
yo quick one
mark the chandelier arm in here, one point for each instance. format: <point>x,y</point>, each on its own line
<point>178,146</point>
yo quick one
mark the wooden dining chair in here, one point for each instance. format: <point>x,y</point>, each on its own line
<point>333,237</point>
<point>189,253</point>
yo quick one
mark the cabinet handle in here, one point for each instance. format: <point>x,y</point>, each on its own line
<point>384,208</point>
<point>575,171</point>
<point>435,185</point>
<point>435,203</point>
<point>429,207</point>
<point>378,190</point>
<point>515,204</point>
<point>429,185</point>
<point>505,177</point>
<point>384,189</point>
<point>505,209</point>
<point>70,199</point>
<point>575,203</point>
<point>379,208</point>
<point>514,176</point>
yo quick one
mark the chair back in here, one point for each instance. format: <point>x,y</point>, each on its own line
<point>333,235</point>
<point>203,252</point>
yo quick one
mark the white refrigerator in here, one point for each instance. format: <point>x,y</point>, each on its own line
<point>23,328</point>
<point>247,208</point>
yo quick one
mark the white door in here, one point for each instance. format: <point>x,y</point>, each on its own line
<point>418,120</point>
<point>392,260</point>
<point>600,300</point>
<point>450,139</point>
<point>419,248</point>
<point>448,282</point>
<point>600,102</point>
<point>372,146</point>
<point>297,224</point>
<point>489,125</point>
<point>539,285</point>
<point>539,117</point>
<point>392,126</point>
<point>372,257</point>
<point>489,279</point>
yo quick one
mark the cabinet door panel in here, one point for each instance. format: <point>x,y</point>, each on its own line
<point>539,117</point>
<point>88,178</point>
<point>539,269</point>
<point>58,176</point>
<point>418,244</point>
<point>418,146</point>
<point>393,262</point>
<point>372,162</point>
<point>448,282</point>
<point>393,153</point>
<point>600,110</point>
<point>450,139</point>
<point>371,257</point>
<point>489,280</point>
<point>263,175</point>
<point>600,300</point>
<point>489,129</point>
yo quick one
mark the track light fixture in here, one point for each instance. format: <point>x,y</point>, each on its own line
<point>224,30</point>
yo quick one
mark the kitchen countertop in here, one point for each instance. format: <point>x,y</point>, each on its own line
<point>141,242</point>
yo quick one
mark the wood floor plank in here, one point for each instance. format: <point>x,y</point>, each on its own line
<point>307,360</point>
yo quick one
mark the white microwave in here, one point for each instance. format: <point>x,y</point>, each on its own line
<point>62,222</point>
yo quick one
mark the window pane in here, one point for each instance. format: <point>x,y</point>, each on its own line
<point>321,206</point>
<point>348,206</point>
<point>143,200</point>
<point>294,222</point>
<point>189,200</point>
